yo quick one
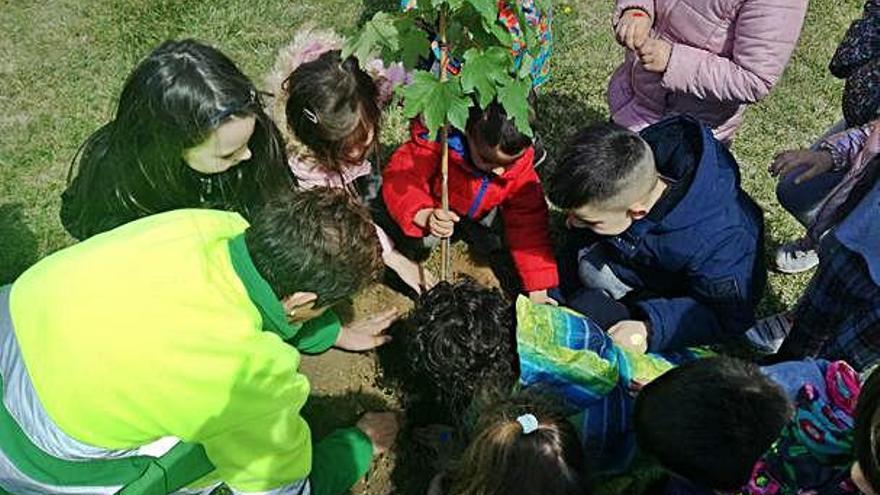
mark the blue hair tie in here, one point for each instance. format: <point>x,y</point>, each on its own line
<point>528,422</point>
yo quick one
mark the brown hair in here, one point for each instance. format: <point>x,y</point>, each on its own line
<point>503,460</point>
<point>320,240</point>
<point>332,105</point>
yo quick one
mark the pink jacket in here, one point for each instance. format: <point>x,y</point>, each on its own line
<point>725,55</point>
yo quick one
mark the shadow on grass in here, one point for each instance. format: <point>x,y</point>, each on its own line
<point>772,302</point>
<point>559,117</point>
<point>19,243</point>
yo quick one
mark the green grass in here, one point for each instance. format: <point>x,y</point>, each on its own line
<point>63,62</point>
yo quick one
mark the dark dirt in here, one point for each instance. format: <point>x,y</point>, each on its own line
<point>345,385</point>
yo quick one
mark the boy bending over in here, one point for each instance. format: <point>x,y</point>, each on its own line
<point>668,245</point>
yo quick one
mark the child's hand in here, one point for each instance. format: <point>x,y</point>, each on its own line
<point>654,55</point>
<point>381,429</point>
<point>631,334</point>
<point>541,297</point>
<point>442,224</point>
<point>815,163</point>
<point>368,333</point>
<point>633,28</point>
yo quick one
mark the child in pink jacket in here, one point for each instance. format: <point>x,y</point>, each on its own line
<point>329,112</point>
<point>706,58</point>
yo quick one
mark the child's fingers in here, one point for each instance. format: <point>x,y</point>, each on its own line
<point>620,31</point>
<point>640,38</point>
<point>630,36</point>
<point>780,163</point>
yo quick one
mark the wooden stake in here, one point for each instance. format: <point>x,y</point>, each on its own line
<point>445,268</point>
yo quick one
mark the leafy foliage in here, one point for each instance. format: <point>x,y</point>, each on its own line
<point>476,36</point>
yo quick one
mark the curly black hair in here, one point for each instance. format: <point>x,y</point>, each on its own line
<point>458,341</point>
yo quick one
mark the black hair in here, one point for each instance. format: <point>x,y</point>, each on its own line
<point>133,166</point>
<point>332,104</point>
<point>711,420</point>
<point>320,240</point>
<point>865,439</point>
<point>596,165</point>
<point>458,342</point>
<point>494,128</point>
<point>502,459</point>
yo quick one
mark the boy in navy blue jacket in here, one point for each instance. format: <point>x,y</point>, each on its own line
<point>666,246</point>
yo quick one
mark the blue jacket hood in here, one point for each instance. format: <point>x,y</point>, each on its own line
<point>685,150</point>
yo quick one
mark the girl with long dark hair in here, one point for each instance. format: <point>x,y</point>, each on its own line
<point>189,132</point>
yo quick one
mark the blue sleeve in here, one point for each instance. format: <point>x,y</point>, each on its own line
<point>793,375</point>
<point>724,289</point>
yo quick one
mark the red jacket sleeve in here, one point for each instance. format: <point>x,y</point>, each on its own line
<point>527,228</point>
<point>406,185</point>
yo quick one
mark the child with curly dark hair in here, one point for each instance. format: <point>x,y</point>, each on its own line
<point>464,342</point>
<point>522,444</point>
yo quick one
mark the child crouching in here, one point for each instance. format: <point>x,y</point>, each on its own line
<point>668,253</point>
<point>330,111</point>
<point>490,166</point>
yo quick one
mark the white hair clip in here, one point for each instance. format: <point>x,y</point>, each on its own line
<point>528,422</point>
<point>312,116</point>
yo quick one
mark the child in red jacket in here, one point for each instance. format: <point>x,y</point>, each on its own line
<point>490,166</point>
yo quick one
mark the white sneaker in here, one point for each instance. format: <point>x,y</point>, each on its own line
<point>796,256</point>
<point>768,334</point>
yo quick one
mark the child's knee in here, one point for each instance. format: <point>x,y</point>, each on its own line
<point>595,272</point>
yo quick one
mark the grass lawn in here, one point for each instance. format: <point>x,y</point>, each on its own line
<point>63,63</point>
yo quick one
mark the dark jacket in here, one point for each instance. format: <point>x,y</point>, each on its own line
<point>698,254</point>
<point>857,60</point>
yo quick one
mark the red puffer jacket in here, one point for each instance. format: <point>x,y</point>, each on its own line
<point>411,182</point>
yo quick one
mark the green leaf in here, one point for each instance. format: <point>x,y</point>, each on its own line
<point>437,102</point>
<point>416,93</point>
<point>515,99</point>
<point>414,43</point>
<point>488,9</point>
<point>453,4</point>
<point>378,34</point>
<point>525,66</point>
<point>484,72</point>
<point>459,105</point>
<point>499,32</point>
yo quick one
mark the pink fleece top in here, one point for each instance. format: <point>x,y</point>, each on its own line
<point>726,54</point>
